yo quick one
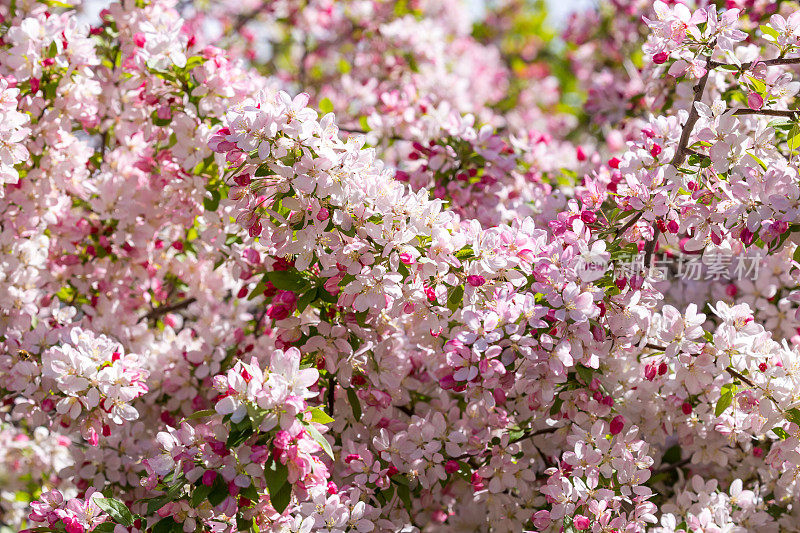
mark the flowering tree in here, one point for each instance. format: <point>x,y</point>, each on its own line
<point>389,266</point>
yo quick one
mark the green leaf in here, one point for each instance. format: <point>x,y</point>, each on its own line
<point>557,403</point>
<point>793,415</point>
<point>250,492</point>
<point>211,204</point>
<point>166,525</point>
<point>200,494</point>
<point>256,415</point>
<point>780,432</point>
<point>464,253</point>
<point>584,373</point>
<point>320,416</point>
<point>793,140</point>
<point>154,504</point>
<point>672,455</point>
<point>239,433</point>
<point>405,496</point>
<point>456,298</point>
<point>259,289</point>
<point>219,491</point>
<point>759,86</point>
<point>769,32</point>
<point>116,510</point>
<point>321,440</point>
<point>193,62</point>
<point>244,524</point>
<point>363,123</point>
<point>105,527</point>
<point>326,106</point>
<point>306,299</point>
<point>57,3</point>
<point>201,414</point>
<point>280,490</point>
<point>355,404</point>
<point>280,499</point>
<point>287,280</point>
<point>725,399</point>
<point>263,170</point>
<point>276,474</point>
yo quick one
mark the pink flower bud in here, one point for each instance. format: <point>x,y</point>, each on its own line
<point>617,425</point>
<point>580,522</point>
<point>475,280</point>
<point>451,466</point>
<point>686,408</point>
<point>243,180</point>
<point>477,482</point>
<point>209,476</point>
<point>755,100</point>
<point>673,226</point>
<point>655,150</point>
<point>746,236</point>
<point>139,39</point>
<point>660,58</point>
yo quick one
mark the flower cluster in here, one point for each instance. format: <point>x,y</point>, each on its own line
<point>360,266</point>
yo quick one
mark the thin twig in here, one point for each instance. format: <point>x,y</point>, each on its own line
<point>651,247</point>
<point>331,389</point>
<point>740,377</point>
<point>675,466</point>
<point>699,89</point>
<point>765,62</point>
<point>526,435</point>
<point>628,224</point>
<point>158,312</point>
<point>768,112</point>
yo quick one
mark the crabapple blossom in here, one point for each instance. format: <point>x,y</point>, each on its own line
<point>388,266</point>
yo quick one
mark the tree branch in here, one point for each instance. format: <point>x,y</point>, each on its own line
<point>740,377</point>
<point>766,62</point>
<point>628,224</point>
<point>768,112</point>
<point>699,89</point>
<point>160,311</point>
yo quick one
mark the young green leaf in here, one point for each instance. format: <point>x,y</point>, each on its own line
<point>117,510</point>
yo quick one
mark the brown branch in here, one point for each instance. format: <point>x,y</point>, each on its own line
<point>766,62</point>
<point>160,311</point>
<point>699,89</point>
<point>526,435</point>
<point>740,377</point>
<point>244,18</point>
<point>675,466</point>
<point>768,112</point>
<point>651,247</point>
<point>628,224</point>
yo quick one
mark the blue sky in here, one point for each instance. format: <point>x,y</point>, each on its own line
<point>561,8</point>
